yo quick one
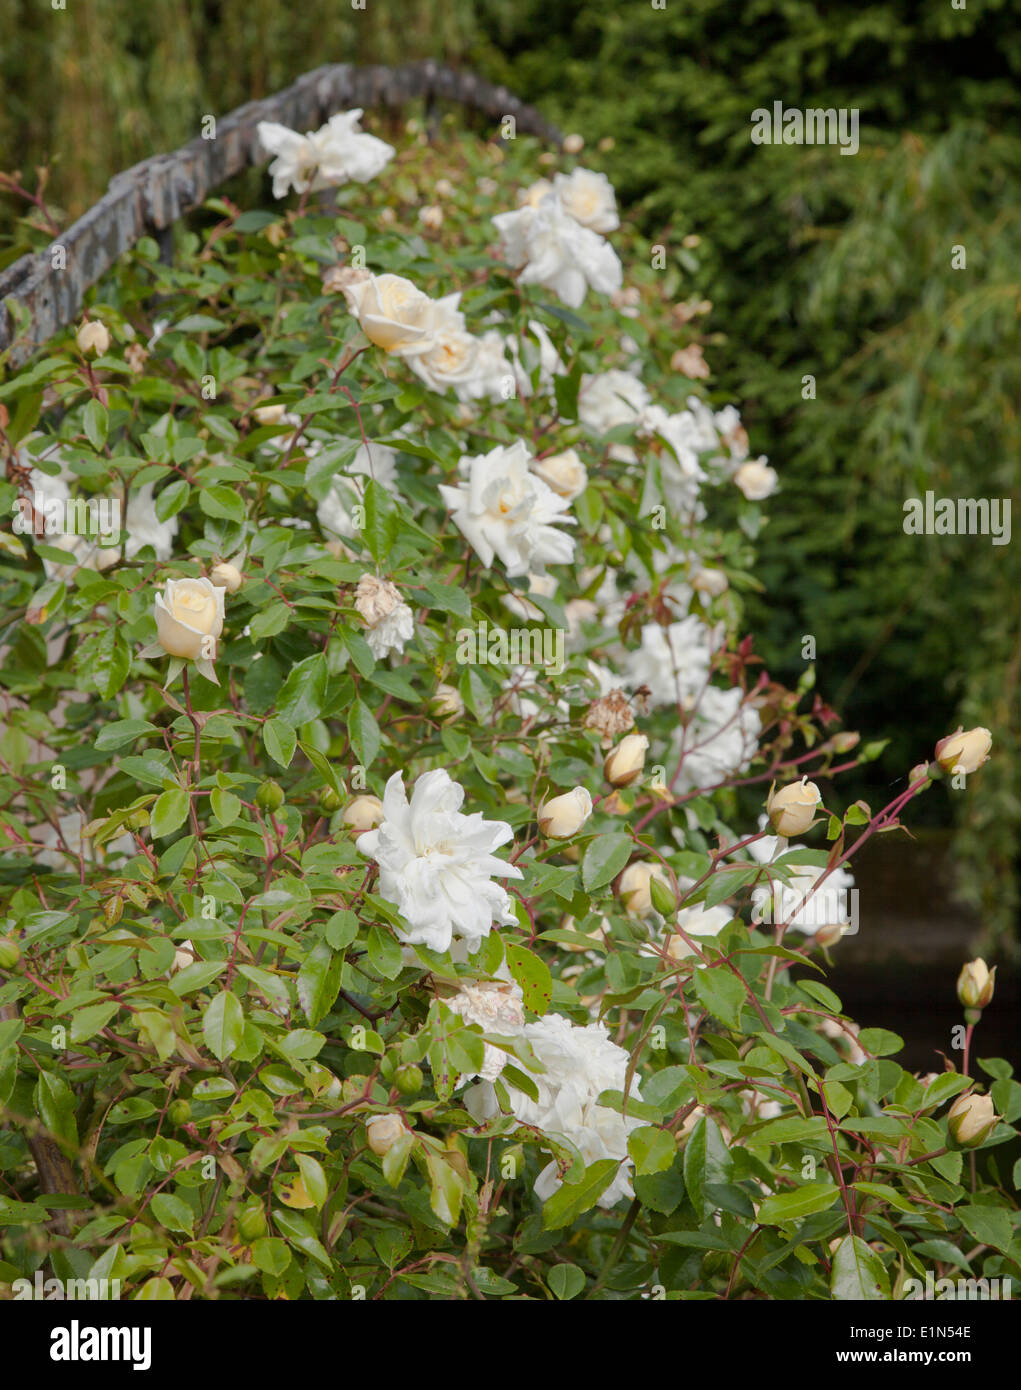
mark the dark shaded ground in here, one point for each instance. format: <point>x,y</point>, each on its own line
<point>900,970</point>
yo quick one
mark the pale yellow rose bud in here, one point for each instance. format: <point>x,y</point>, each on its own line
<point>363,813</point>
<point>564,816</point>
<point>270,414</point>
<point>384,1131</point>
<point>227,576</point>
<point>964,752</point>
<point>791,810</point>
<point>635,887</point>
<point>431,217</point>
<point>447,702</point>
<point>183,956</point>
<point>444,188</point>
<point>971,1119</point>
<point>829,935</point>
<point>574,143</point>
<point>711,582</point>
<point>756,480</point>
<point>93,337</point>
<point>564,473</point>
<point>624,763</point>
<point>534,194</point>
<point>975,984</point>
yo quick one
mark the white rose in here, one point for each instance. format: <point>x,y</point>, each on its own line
<point>589,199</point>
<point>395,315</point>
<point>555,251</point>
<point>437,865</point>
<point>502,509</point>
<point>452,363</point>
<point>331,155</point>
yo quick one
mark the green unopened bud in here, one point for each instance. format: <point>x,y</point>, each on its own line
<point>252,1220</point>
<point>662,895</point>
<point>179,1112</point>
<point>270,796</point>
<point>330,801</point>
<point>408,1079</point>
<point>10,953</point>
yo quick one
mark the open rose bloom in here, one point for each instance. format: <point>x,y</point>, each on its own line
<point>189,620</point>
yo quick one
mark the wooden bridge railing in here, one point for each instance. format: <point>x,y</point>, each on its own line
<point>149,197</point>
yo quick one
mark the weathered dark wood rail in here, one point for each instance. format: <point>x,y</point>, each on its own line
<point>150,196</point>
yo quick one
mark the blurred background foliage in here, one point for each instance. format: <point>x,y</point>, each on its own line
<point>839,268</point>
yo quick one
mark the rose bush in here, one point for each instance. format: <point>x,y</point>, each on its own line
<point>388,820</point>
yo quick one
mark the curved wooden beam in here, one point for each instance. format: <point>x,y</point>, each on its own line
<point>150,196</point>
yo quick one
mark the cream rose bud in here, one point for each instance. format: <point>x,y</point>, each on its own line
<point>431,217</point>
<point>756,480</point>
<point>829,935</point>
<point>574,143</point>
<point>384,1131</point>
<point>270,414</point>
<point>564,473</point>
<point>447,702</point>
<point>564,816</point>
<point>975,984</point>
<point>635,888</point>
<point>444,188</point>
<point>624,763</point>
<point>710,581</point>
<point>189,618</point>
<point>227,576</point>
<point>393,313</point>
<point>971,1119</point>
<point>533,195</point>
<point>964,752</point>
<point>363,813</point>
<point>93,337</point>
<point>792,809</point>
